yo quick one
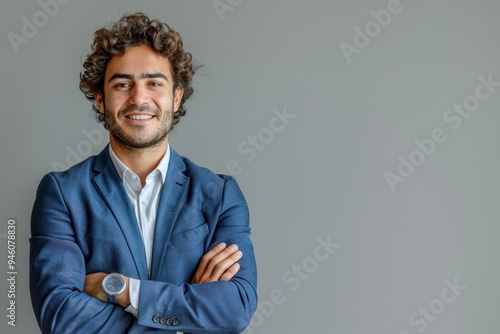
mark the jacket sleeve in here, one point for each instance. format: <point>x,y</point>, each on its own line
<point>217,307</point>
<point>57,272</point>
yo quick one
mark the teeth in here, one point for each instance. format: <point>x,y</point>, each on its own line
<point>138,117</point>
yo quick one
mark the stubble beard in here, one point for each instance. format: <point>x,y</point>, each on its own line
<point>134,143</point>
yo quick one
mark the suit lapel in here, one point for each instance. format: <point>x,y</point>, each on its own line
<point>111,188</point>
<point>173,196</point>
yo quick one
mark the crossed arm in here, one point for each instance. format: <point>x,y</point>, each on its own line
<point>221,295</point>
<point>218,264</point>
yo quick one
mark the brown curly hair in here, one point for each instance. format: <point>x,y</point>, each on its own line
<point>136,30</point>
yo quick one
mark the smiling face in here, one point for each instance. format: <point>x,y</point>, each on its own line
<point>139,99</point>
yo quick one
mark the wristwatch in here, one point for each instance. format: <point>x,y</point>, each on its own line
<point>113,284</point>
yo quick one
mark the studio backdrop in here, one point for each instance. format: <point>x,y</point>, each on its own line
<point>364,136</point>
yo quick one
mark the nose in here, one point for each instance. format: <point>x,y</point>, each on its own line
<point>139,95</point>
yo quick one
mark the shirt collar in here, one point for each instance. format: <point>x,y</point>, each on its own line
<point>121,168</point>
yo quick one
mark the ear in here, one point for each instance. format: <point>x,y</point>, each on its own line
<point>99,100</point>
<point>178,93</point>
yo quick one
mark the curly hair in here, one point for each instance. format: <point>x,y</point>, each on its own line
<point>136,30</point>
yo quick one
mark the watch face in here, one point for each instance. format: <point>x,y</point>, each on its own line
<point>113,284</point>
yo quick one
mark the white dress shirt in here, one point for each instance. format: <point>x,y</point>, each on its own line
<point>144,201</point>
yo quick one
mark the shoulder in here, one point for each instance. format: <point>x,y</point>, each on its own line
<point>76,171</point>
<point>199,173</point>
<point>202,177</point>
<point>214,192</point>
<point>79,174</point>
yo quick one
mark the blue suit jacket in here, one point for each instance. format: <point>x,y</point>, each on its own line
<point>83,222</point>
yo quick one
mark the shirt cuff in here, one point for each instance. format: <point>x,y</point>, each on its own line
<point>134,288</point>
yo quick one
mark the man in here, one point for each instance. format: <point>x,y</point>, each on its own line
<point>139,239</point>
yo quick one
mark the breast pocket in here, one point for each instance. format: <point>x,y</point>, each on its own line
<point>187,223</point>
<point>189,239</point>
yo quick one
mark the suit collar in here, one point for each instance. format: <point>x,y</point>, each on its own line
<point>110,186</point>
<point>173,196</point>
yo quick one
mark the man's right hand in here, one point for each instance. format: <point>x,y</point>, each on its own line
<point>218,264</point>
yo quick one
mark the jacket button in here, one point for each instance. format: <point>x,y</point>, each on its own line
<point>170,321</point>
<point>163,320</point>
<point>176,322</point>
<point>156,318</point>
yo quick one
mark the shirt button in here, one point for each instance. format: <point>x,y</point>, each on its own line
<point>144,202</point>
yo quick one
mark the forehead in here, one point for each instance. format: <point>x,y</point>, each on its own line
<point>139,60</point>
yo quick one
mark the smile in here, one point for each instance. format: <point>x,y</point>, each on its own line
<point>139,117</point>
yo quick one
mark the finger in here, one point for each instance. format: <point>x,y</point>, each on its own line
<point>222,255</point>
<point>205,260</point>
<point>233,270</point>
<point>212,253</point>
<point>219,264</point>
<point>217,258</point>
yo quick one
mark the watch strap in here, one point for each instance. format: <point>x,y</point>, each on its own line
<point>111,299</point>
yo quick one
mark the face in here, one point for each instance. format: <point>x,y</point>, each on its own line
<point>139,99</point>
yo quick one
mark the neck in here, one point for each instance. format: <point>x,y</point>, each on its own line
<point>141,161</point>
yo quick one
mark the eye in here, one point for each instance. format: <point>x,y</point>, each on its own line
<point>122,85</point>
<point>155,84</point>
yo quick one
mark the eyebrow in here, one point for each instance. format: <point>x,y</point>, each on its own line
<point>142,76</point>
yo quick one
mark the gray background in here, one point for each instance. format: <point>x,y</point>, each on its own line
<point>323,174</point>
